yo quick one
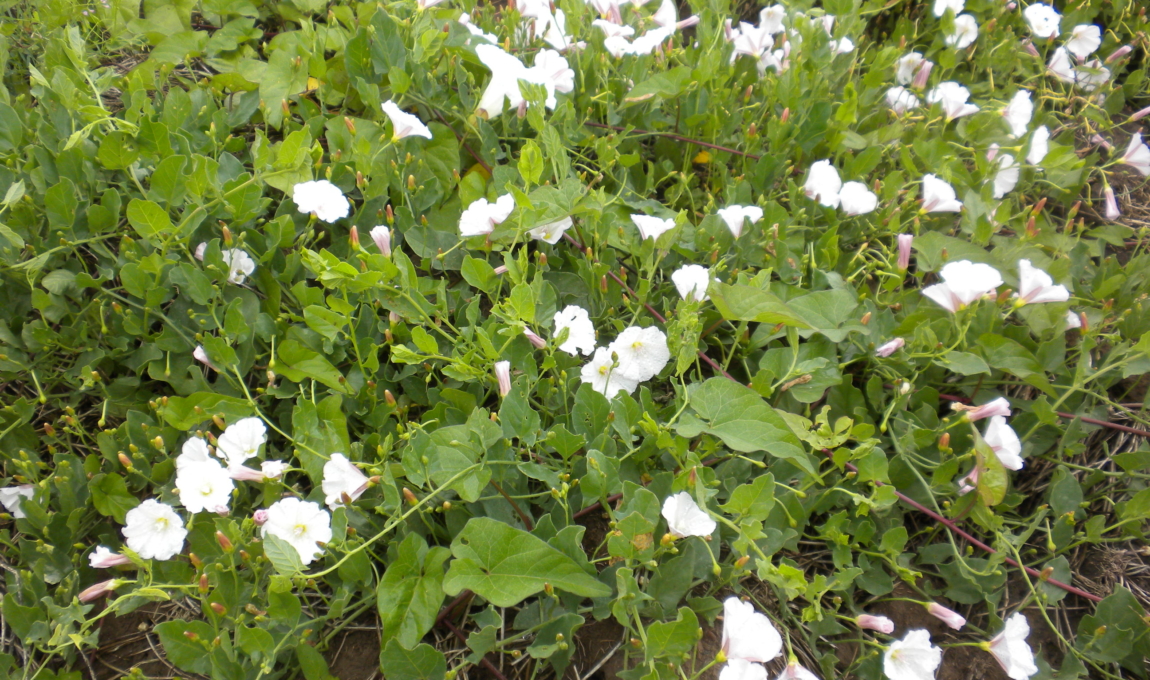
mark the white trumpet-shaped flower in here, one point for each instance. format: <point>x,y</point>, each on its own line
<point>321,198</point>
<point>404,124</point>
<point>1084,40</point>
<point>856,199</point>
<point>952,98</point>
<point>1003,440</point>
<point>940,6</point>
<point>963,282</point>
<point>204,486</point>
<point>739,669</point>
<point>685,517</point>
<point>580,330</point>
<point>12,496</point>
<point>651,226</point>
<point>747,634</point>
<point>303,524</point>
<point>154,530</point>
<point>340,478</point>
<point>1011,650</point>
<point>1035,285</point>
<point>900,100</point>
<point>692,280</point>
<point>823,184</point>
<point>795,671</point>
<point>482,217</point>
<point>642,352</point>
<point>240,264</point>
<point>604,377</point>
<point>1039,145</point>
<point>736,215</point>
<point>1043,20</point>
<point>1137,154</point>
<point>1007,176</point>
<point>551,232</point>
<point>965,32</point>
<point>938,196</point>
<point>1061,66</point>
<point>912,658</point>
<point>241,440</point>
<point>906,67</point>
<point>1019,112</point>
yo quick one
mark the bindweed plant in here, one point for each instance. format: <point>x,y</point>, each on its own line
<point>786,340</point>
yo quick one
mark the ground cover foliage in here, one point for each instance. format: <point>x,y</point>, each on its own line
<point>656,344</point>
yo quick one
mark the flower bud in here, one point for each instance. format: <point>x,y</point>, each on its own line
<point>1119,53</point>
<point>203,583</point>
<point>224,542</point>
<point>218,608</point>
<point>409,496</point>
<point>260,517</point>
<point>353,237</point>
<point>350,124</point>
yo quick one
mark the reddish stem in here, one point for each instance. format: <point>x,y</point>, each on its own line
<point>1067,416</point>
<point>484,662</point>
<point>680,138</point>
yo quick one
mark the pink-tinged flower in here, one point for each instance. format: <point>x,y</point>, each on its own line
<point>260,517</point>
<point>1039,145</point>
<point>947,616</point>
<point>342,478</point>
<point>965,32</point>
<point>382,237</point>
<point>904,244</point>
<point>503,377</point>
<point>1018,113</point>
<point>952,98</point>
<point>923,75</point>
<point>963,282</point>
<point>968,483</point>
<point>99,590</point>
<point>500,270</point>
<point>103,558</point>
<point>1091,75</point>
<point>1084,40</point>
<point>1011,650</point>
<point>900,100</point>
<point>1112,212</point>
<point>1140,114</point>
<point>880,623</point>
<point>243,473</point>
<point>997,407</point>
<point>1035,285</point>
<point>536,341</point>
<point>740,669</point>
<point>1073,321</point>
<point>912,658</point>
<point>890,348</point>
<point>1043,20</point>
<point>1119,53</point>
<point>794,671</point>
<point>1003,440</point>
<point>939,196</point>
<point>667,16</point>
<point>202,356</point>
<point>1137,155</point>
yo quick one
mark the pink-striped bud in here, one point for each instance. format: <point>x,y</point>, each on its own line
<point>922,75</point>
<point>1140,114</point>
<point>947,616</point>
<point>99,590</point>
<point>503,376</point>
<point>245,474</point>
<point>890,347</point>
<point>1112,211</point>
<point>103,558</point>
<point>880,623</point>
<point>260,517</point>
<point>535,340</point>
<point>904,243</point>
<point>997,407</point>
<point>382,237</point>
<point>501,269</point>
<point>1101,141</point>
<point>1011,6</point>
<point>1119,53</point>
<point>1029,47</point>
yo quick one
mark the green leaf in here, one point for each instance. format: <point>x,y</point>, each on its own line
<point>739,416</point>
<point>673,639</point>
<point>296,362</point>
<point>181,412</point>
<point>283,556</point>
<point>110,496</point>
<point>311,663</point>
<point>187,654</point>
<point>319,430</point>
<point>531,162</point>
<point>411,591</point>
<point>423,662</point>
<point>117,151</point>
<point>992,477</point>
<point>661,86</point>
<point>754,500</point>
<point>963,363</point>
<point>148,219</point>
<point>748,303</point>
<point>506,565</point>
